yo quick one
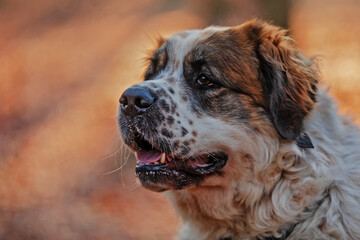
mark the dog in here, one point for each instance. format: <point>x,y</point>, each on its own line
<point>232,123</point>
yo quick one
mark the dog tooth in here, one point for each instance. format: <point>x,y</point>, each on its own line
<point>162,160</point>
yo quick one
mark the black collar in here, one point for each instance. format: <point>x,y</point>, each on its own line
<point>304,141</point>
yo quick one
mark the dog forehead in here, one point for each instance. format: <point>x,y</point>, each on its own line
<point>180,44</point>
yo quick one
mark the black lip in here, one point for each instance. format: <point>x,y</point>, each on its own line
<point>178,174</point>
<point>161,178</point>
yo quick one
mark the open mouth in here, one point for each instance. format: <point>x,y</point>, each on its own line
<point>160,171</point>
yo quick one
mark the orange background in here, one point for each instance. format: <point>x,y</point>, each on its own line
<point>64,172</point>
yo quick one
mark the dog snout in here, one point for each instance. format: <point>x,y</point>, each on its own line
<point>136,100</point>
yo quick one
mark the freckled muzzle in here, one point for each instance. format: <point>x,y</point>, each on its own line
<point>160,167</point>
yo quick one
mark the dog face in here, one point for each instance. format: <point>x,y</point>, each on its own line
<point>210,100</point>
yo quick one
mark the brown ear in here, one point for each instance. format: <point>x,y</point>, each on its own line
<point>288,79</point>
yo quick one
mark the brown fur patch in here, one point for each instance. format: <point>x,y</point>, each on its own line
<point>231,64</point>
<point>257,60</point>
<point>287,77</point>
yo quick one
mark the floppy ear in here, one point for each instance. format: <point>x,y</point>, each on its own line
<point>288,79</point>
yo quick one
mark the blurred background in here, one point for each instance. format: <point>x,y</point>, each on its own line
<point>64,172</point>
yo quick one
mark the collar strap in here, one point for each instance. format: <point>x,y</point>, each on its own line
<point>304,141</point>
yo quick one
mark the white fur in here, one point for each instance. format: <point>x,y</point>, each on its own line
<point>324,180</point>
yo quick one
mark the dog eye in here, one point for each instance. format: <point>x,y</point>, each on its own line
<point>204,81</point>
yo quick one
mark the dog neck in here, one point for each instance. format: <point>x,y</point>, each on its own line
<point>269,202</point>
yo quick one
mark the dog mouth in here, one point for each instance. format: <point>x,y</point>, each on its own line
<point>159,170</point>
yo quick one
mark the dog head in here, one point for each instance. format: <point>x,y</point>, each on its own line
<point>211,100</point>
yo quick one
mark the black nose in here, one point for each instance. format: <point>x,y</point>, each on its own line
<point>136,100</point>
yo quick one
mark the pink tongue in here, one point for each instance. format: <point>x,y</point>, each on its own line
<point>149,157</point>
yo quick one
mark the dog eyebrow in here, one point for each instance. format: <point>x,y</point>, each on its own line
<point>197,64</point>
<point>157,61</point>
<point>159,55</point>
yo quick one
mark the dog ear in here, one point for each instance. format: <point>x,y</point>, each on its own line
<point>288,79</point>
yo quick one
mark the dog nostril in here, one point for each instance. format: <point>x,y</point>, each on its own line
<point>123,100</point>
<point>138,102</point>
<point>145,103</point>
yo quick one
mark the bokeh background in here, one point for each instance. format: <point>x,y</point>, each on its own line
<point>64,172</point>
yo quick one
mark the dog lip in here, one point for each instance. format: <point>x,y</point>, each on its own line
<point>139,143</point>
<point>178,174</point>
<point>201,164</point>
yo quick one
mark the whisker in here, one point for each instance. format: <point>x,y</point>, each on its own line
<point>122,149</point>
<point>121,170</point>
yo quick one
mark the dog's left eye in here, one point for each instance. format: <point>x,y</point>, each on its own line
<point>204,81</point>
